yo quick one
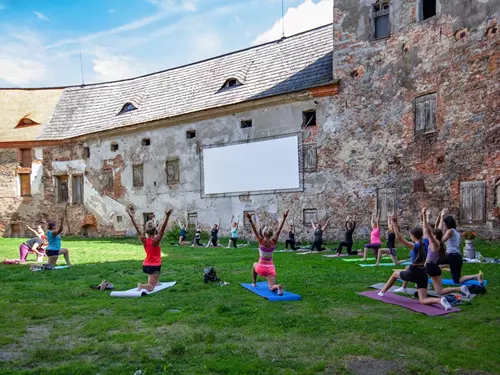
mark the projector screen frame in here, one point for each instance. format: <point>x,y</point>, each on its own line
<point>300,188</point>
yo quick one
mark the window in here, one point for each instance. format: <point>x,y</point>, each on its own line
<point>419,185</point>
<point>246,124</point>
<point>138,175</point>
<point>127,108</point>
<point>381,19</point>
<point>427,9</point>
<point>231,82</point>
<point>114,146</point>
<point>77,189</point>
<point>146,142</point>
<point>86,152</point>
<point>472,202</point>
<point>25,184</point>
<point>107,178</point>
<point>309,155</point>
<point>15,230</point>
<point>62,189</point>
<point>246,223</point>
<point>308,215</point>
<point>119,219</point>
<point>386,203</point>
<point>172,168</point>
<point>25,121</point>
<point>190,134</point>
<point>26,157</point>
<point>147,216</point>
<point>309,118</point>
<point>425,114</point>
<point>192,219</point>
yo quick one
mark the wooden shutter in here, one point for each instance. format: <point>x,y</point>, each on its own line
<point>172,168</point>
<point>472,202</point>
<point>386,202</point>
<point>77,189</point>
<point>138,175</point>
<point>425,113</point>
<point>26,157</point>
<point>192,218</point>
<point>62,189</point>
<point>25,183</point>
<point>107,178</point>
<point>309,153</point>
<point>309,214</point>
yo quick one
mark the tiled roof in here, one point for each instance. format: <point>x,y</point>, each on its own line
<point>292,64</point>
<point>16,104</point>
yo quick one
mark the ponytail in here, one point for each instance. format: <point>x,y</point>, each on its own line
<point>418,233</point>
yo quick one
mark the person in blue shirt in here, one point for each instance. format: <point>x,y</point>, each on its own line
<point>182,234</point>
<point>54,249</point>
<point>234,233</point>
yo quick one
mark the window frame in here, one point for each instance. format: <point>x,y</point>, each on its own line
<point>135,179</point>
<point>383,206</point>
<point>420,11</point>
<point>22,193</point>
<point>246,124</point>
<point>75,199</point>
<point>430,101</point>
<point>309,211</point>
<point>127,107</point>
<point>60,193</point>
<point>173,162</point>
<point>475,186</point>
<point>190,134</point>
<point>381,13</point>
<point>24,155</point>
<point>305,123</point>
<point>190,216</point>
<point>305,149</point>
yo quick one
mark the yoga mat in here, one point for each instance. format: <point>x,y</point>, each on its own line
<point>335,255</point>
<point>134,293</point>
<point>412,304</point>
<point>55,268</point>
<point>262,289</point>
<point>357,259</point>
<point>412,291</point>
<point>468,282</point>
<point>384,264</point>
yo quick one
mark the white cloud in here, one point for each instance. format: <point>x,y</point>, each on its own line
<point>177,5</point>
<point>41,16</point>
<point>306,16</point>
<point>111,67</point>
<point>207,44</point>
<point>21,72</point>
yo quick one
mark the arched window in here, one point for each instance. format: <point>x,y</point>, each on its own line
<point>26,121</point>
<point>127,108</point>
<point>231,82</point>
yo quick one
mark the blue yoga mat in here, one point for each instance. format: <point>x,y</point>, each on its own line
<point>468,282</point>
<point>384,264</point>
<point>262,289</point>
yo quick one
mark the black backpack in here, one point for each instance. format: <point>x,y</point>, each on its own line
<point>476,289</point>
<point>210,275</point>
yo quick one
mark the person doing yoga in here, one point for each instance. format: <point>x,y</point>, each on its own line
<point>38,232</point>
<point>318,235</point>
<point>416,271</point>
<point>151,242</point>
<point>374,236</point>
<point>54,249</point>
<point>182,234</point>
<point>197,236</point>
<point>350,225</point>
<point>453,257</point>
<point>391,244</point>
<point>33,246</point>
<point>234,233</point>
<point>291,237</point>
<point>214,235</point>
<point>267,243</point>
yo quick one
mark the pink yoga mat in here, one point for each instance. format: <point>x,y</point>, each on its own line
<point>412,304</point>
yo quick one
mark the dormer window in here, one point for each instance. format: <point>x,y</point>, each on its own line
<point>25,121</point>
<point>231,82</point>
<point>127,108</point>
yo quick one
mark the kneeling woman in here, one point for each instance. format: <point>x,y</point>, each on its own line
<point>33,246</point>
<point>267,243</point>
<point>54,244</point>
<point>416,272</point>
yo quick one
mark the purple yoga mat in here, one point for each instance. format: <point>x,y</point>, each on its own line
<point>412,304</point>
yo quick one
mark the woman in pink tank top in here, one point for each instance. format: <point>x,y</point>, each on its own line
<point>375,243</point>
<point>267,243</point>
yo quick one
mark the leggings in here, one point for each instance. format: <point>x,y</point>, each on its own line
<point>214,242</point>
<point>317,245</point>
<point>455,261</point>
<point>348,245</point>
<point>291,243</point>
<point>23,252</point>
<point>233,242</point>
<point>196,241</point>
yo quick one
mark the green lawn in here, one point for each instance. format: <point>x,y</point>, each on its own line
<point>53,323</point>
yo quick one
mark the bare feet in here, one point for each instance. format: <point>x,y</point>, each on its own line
<point>69,264</point>
<point>254,285</point>
<point>480,277</point>
<point>140,286</point>
<point>280,290</point>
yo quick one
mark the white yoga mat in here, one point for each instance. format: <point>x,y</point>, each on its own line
<point>134,293</point>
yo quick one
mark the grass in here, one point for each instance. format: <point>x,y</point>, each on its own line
<point>53,323</point>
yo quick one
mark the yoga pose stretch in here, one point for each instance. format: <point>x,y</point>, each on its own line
<point>374,236</point>
<point>391,244</point>
<point>38,232</point>
<point>152,264</point>
<point>453,257</point>
<point>291,237</point>
<point>197,236</point>
<point>348,242</point>
<point>54,249</point>
<point>267,243</point>
<point>318,235</point>
<point>234,233</point>
<point>416,271</point>
<point>214,235</point>
<point>33,246</point>
<point>182,234</point>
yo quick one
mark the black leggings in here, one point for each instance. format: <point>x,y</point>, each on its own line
<point>196,242</point>
<point>233,242</point>
<point>416,275</point>
<point>291,243</point>
<point>214,242</point>
<point>317,245</point>
<point>348,245</point>
<point>455,261</point>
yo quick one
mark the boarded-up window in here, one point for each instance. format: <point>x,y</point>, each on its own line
<point>425,114</point>
<point>472,202</point>
<point>107,178</point>
<point>192,219</point>
<point>62,189</point>
<point>138,175</point>
<point>26,157</point>
<point>381,19</point>
<point>172,168</point>
<point>25,183</point>
<point>15,230</point>
<point>386,203</point>
<point>77,189</point>
<point>246,222</point>
<point>308,215</point>
<point>309,152</point>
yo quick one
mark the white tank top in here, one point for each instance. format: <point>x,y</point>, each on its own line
<point>453,243</point>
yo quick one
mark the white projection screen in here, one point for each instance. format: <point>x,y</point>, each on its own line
<point>263,166</point>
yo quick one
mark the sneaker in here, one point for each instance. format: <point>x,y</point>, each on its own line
<point>445,303</point>
<point>465,291</point>
<point>401,290</point>
<point>380,294</point>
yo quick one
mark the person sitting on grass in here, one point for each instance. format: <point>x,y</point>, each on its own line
<point>182,234</point>
<point>267,243</point>
<point>152,264</point>
<point>54,249</point>
<point>350,226</point>
<point>375,243</point>
<point>318,235</point>
<point>32,246</point>
<point>391,245</point>
<point>416,272</point>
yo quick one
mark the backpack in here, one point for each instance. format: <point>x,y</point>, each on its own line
<point>210,275</point>
<point>476,289</point>
<point>453,299</point>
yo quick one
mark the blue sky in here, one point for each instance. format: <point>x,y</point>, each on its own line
<point>40,39</point>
